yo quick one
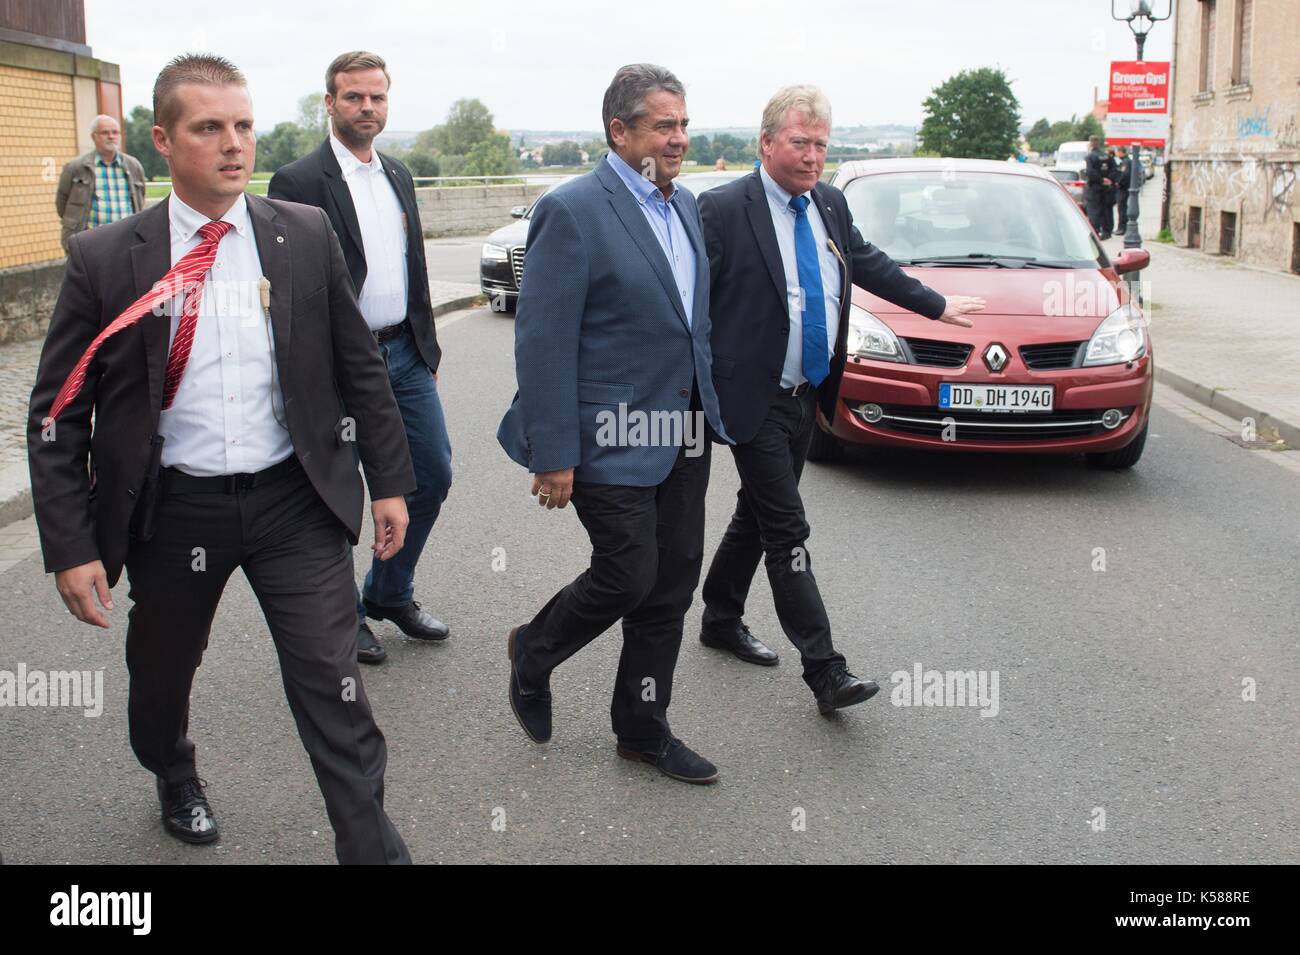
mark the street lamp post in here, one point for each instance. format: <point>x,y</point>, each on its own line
<point>1141,17</point>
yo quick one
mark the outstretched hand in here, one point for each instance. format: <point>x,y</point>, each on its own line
<point>958,305</point>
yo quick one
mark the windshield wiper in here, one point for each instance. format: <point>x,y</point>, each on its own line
<point>1000,260</point>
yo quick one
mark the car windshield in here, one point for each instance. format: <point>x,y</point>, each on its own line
<point>975,217</point>
<point>1064,175</point>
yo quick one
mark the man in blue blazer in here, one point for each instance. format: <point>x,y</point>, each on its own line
<point>614,405</point>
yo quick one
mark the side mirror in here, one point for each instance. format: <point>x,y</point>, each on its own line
<point>518,212</point>
<point>1132,260</point>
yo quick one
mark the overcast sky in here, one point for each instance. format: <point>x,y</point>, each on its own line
<point>545,65</point>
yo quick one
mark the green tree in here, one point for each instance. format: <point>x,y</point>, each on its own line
<point>1038,134</point>
<point>1089,126</point>
<point>566,153</point>
<point>312,118</point>
<point>282,145</point>
<point>468,123</point>
<point>137,141</point>
<point>596,149</point>
<point>972,115</point>
<point>701,150</point>
<point>491,157</point>
<point>421,164</point>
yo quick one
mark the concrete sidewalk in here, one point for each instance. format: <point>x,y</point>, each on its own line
<point>18,372</point>
<point>1227,335</point>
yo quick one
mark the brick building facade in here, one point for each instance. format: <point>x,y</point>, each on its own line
<point>51,88</point>
<point>1234,147</point>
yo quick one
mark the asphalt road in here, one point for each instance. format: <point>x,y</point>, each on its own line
<point>1118,690</point>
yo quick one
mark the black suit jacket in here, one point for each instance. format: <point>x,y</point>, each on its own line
<point>317,180</point>
<point>749,306</point>
<point>86,483</point>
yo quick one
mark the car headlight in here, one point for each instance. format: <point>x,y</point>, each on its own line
<point>869,337</point>
<point>495,253</point>
<point>1120,338</point>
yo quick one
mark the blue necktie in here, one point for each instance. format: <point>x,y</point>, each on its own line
<point>816,363</point>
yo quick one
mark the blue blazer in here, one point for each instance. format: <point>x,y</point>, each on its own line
<point>599,324</point>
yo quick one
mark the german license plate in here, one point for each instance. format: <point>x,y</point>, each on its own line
<point>954,397</point>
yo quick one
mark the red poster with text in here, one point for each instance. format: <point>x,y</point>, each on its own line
<point>1138,112</point>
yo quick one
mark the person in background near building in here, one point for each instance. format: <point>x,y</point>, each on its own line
<point>1124,167</point>
<point>100,186</point>
<point>1096,181</point>
<point>370,200</point>
<point>1108,203</point>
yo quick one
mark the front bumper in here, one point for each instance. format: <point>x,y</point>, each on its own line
<point>909,398</point>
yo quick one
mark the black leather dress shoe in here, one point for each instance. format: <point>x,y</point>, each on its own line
<point>740,642</point>
<point>186,814</point>
<point>674,758</point>
<point>369,650</point>
<point>841,688</point>
<point>410,619</point>
<point>533,708</point>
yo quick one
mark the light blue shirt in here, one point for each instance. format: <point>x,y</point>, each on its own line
<point>666,223</point>
<point>783,217</point>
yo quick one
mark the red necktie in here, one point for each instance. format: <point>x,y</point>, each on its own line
<point>185,276</point>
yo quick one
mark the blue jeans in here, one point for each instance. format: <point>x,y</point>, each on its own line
<point>390,583</point>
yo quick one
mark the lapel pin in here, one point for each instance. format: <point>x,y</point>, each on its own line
<point>280,239</point>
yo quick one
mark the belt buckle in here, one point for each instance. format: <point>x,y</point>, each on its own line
<point>799,389</point>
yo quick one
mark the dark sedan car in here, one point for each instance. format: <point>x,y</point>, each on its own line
<point>501,263</point>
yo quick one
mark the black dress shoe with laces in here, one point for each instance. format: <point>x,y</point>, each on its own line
<point>186,814</point>
<point>409,619</point>
<point>532,708</point>
<point>739,641</point>
<point>841,688</point>
<point>369,650</point>
<point>675,759</point>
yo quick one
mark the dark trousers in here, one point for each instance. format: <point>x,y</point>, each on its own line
<point>769,523</point>
<point>647,547</point>
<point>297,559</point>
<point>1121,208</point>
<point>391,583</point>
<point>1094,197</point>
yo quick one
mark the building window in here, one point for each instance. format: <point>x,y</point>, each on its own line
<point>1227,233</point>
<point>1193,227</point>
<point>1241,42</point>
<point>1207,45</point>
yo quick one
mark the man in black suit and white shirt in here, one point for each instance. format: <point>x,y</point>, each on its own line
<point>215,342</point>
<point>370,200</point>
<point>783,255</point>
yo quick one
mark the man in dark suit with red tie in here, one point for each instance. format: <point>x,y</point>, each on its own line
<point>783,255</point>
<point>215,342</point>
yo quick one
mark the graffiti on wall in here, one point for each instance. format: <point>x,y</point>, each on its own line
<point>1281,183</point>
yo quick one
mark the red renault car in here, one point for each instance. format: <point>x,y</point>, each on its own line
<point>1058,362</point>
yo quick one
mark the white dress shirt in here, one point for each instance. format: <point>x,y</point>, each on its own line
<point>383,236</point>
<point>223,417</point>
<point>783,219</point>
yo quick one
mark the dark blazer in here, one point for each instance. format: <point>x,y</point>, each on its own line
<point>86,483</point>
<point>317,180</point>
<point>749,304</point>
<point>599,325</point>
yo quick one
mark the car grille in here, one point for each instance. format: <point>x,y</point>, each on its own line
<point>993,426</point>
<point>517,264</point>
<point>940,354</point>
<point>1055,355</point>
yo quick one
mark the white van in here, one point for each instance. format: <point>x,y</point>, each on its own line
<point>1072,156</point>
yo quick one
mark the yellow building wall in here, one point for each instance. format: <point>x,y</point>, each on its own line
<point>38,135</point>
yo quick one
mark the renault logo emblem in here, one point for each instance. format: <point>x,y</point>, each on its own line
<point>995,356</point>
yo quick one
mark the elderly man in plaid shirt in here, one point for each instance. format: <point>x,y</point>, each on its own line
<point>100,186</point>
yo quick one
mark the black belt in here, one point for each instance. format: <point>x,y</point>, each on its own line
<point>800,389</point>
<point>181,483</point>
<point>389,332</point>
